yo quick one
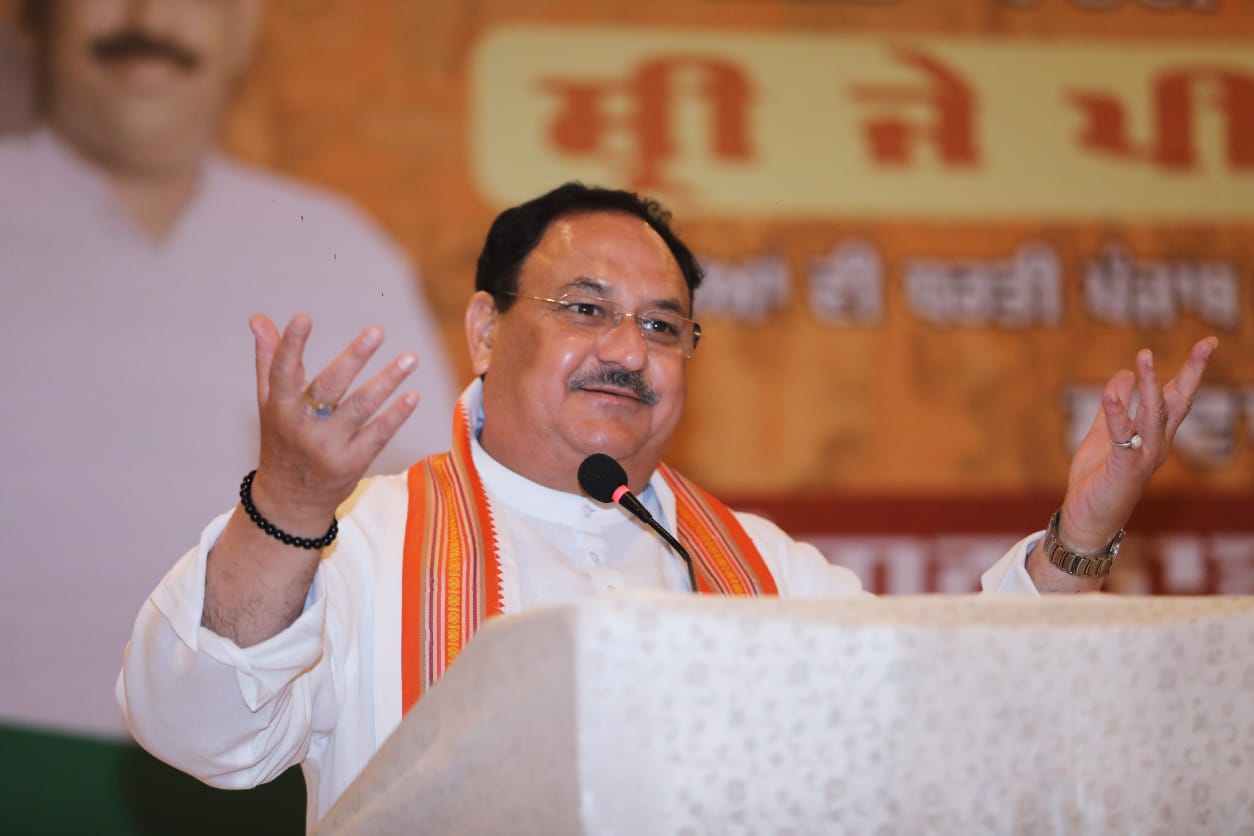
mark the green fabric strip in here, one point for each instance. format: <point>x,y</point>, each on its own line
<point>57,783</point>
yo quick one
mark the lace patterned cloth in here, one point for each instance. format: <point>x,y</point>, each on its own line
<point>664,714</point>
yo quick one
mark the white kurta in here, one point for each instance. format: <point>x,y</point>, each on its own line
<point>326,692</point>
<point>129,408</point>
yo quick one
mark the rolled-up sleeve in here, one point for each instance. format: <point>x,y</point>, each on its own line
<point>232,716</point>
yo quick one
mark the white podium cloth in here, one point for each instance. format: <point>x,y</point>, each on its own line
<point>662,714</point>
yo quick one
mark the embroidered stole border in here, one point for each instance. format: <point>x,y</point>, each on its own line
<point>451,580</point>
<point>725,559</point>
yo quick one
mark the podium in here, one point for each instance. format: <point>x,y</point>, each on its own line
<point>661,714</point>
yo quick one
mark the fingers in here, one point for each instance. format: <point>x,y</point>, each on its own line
<point>287,370</point>
<point>313,458</point>
<point>333,381</point>
<point>372,437</point>
<point>1151,413</point>
<point>1179,393</point>
<point>365,401</point>
<point>1161,408</point>
<point>280,364</point>
<point>266,340</point>
<point>1116,401</point>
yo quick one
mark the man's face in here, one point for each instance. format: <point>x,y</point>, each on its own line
<point>141,86</point>
<point>555,393</point>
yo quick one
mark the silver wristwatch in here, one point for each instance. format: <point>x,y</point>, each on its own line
<point>1085,565</point>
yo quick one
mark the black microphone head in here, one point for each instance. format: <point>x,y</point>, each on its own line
<point>600,476</point>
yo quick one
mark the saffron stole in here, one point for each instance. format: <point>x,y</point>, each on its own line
<point>451,578</point>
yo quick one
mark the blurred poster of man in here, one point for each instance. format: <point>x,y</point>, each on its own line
<point>15,85</point>
<point>132,255</point>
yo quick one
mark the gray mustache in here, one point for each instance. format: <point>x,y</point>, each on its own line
<point>620,378</point>
<point>133,43</point>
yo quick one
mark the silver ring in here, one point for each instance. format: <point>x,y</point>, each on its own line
<point>321,409</point>
<point>1133,443</point>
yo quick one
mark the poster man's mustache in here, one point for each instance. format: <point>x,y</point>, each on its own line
<point>134,43</point>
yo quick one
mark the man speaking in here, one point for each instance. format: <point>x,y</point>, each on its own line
<point>310,618</point>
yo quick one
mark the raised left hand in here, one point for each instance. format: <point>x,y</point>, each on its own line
<point>1106,481</point>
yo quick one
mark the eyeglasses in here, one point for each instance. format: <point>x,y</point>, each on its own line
<point>664,329</point>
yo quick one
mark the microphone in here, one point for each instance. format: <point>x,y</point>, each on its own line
<point>604,480</point>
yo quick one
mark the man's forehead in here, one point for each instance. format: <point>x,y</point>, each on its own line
<point>591,225</point>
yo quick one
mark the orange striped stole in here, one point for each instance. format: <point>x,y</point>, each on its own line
<point>725,559</point>
<point>451,578</point>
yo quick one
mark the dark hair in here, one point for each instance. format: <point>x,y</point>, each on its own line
<point>517,231</point>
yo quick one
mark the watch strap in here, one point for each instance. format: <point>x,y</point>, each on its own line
<point>1096,565</point>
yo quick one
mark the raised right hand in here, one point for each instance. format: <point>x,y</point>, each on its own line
<point>310,464</point>
<point>255,585</point>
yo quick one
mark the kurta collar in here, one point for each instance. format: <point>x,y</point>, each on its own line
<point>533,499</point>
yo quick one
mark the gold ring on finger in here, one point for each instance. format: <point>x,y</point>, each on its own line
<point>320,409</point>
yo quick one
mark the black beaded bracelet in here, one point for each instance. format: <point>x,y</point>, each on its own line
<point>246,499</point>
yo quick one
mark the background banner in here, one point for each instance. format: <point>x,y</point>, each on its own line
<point>932,230</point>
